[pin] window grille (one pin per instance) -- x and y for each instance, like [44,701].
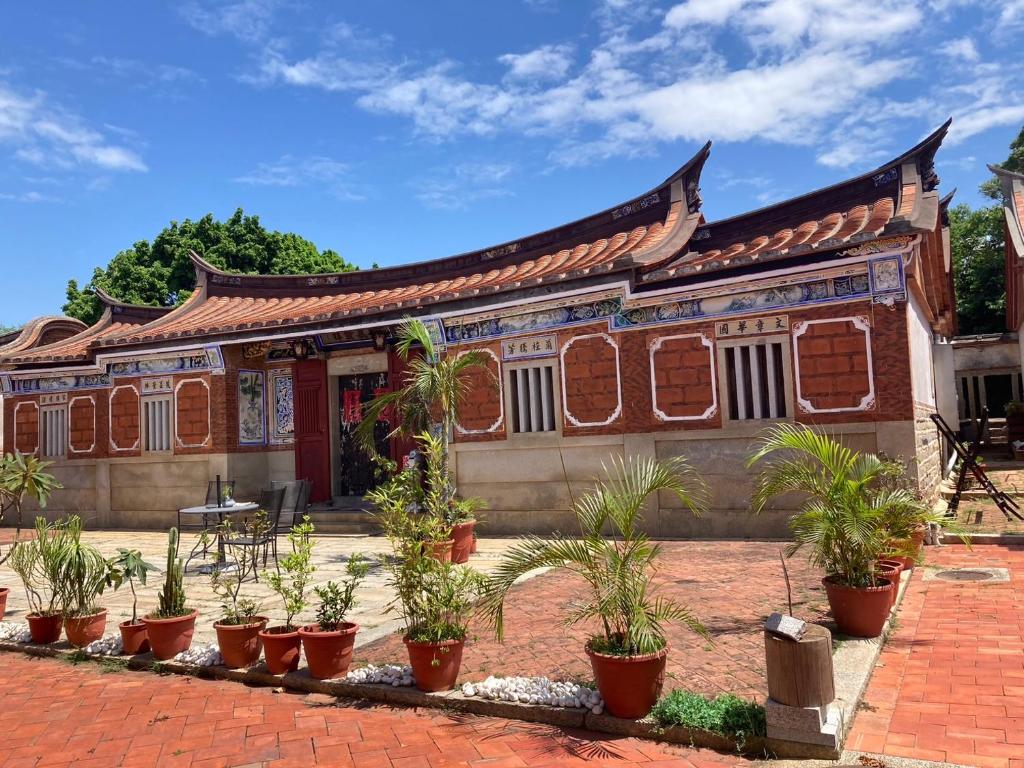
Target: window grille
[533,398]
[157,424]
[54,438]
[756,380]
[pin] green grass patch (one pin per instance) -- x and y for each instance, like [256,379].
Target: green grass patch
[726,715]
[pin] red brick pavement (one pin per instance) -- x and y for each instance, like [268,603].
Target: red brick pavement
[949,686]
[730,585]
[56,715]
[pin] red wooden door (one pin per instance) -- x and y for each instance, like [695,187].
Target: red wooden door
[312,427]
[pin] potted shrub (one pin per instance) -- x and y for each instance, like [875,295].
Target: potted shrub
[328,644]
[239,626]
[21,475]
[37,562]
[84,573]
[616,559]
[129,566]
[281,644]
[849,504]
[171,625]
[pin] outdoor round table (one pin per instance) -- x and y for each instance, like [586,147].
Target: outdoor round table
[221,512]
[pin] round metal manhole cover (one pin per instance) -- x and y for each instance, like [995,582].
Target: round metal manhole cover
[964,575]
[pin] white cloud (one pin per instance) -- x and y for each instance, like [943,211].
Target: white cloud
[31,196]
[976,120]
[715,12]
[549,62]
[248,20]
[961,48]
[288,171]
[45,135]
[457,188]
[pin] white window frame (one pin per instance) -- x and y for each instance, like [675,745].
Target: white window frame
[150,422]
[726,349]
[514,370]
[53,446]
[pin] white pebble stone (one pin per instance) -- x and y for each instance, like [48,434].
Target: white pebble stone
[14,632]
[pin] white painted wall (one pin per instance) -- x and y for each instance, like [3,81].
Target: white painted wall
[945,382]
[922,364]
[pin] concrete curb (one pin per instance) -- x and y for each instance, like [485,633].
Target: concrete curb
[999,539]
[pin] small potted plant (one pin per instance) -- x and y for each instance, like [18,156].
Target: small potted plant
[37,562]
[464,520]
[281,644]
[171,625]
[328,644]
[84,573]
[129,566]
[616,560]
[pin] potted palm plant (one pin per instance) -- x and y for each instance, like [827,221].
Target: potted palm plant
[844,519]
[171,625]
[21,475]
[281,644]
[328,644]
[84,573]
[616,559]
[38,563]
[129,567]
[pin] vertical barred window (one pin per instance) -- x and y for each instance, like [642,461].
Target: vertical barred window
[533,398]
[756,380]
[54,437]
[157,423]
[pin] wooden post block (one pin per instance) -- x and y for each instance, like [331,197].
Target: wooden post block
[800,671]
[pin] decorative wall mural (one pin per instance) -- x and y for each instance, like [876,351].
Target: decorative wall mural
[252,419]
[209,358]
[282,429]
[533,321]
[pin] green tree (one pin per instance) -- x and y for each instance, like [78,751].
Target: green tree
[1015,163]
[979,275]
[159,273]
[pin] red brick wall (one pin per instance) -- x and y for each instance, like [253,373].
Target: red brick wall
[684,371]
[590,379]
[83,420]
[192,414]
[833,358]
[482,406]
[26,425]
[125,418]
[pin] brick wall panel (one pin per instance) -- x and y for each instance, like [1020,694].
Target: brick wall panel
[833,366]
[683,378]
[482,408]
[591,384]
[26,425]
[192,408]
[83,420]
[125,418]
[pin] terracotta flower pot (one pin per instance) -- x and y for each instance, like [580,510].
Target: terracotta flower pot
[82,630]
[629,685]
[439,676]
[859,611]
[134,639]
[917,539]
[169,637]
[462,541]
[472,546]
[440,550]
[46,628]
[240,644]
[328,654]
[281,648]
[891,570]
[3,601]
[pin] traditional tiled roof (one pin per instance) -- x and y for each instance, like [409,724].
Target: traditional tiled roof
[117,318]
[647,230]
[887,199]
[43,330]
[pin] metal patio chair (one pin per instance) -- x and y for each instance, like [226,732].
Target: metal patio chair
[259,538]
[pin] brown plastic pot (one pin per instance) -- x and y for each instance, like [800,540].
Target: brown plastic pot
[462,541]
[240,644]
[441,550]
[859,611]
[134,639]
[435,665]
[629,685]
[169,637]
[3,601]
[891,570]
[281,647]
[328,654]
[45,628]
[82,630]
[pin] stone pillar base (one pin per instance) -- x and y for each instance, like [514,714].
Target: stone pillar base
[808,725]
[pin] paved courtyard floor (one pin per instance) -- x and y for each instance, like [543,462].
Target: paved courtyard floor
[949,685]
[56,715]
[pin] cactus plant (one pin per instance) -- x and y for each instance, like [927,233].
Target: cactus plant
[172,596]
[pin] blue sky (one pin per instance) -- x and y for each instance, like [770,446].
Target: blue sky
[402,131]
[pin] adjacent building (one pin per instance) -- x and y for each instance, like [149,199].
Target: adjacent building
[640,330]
